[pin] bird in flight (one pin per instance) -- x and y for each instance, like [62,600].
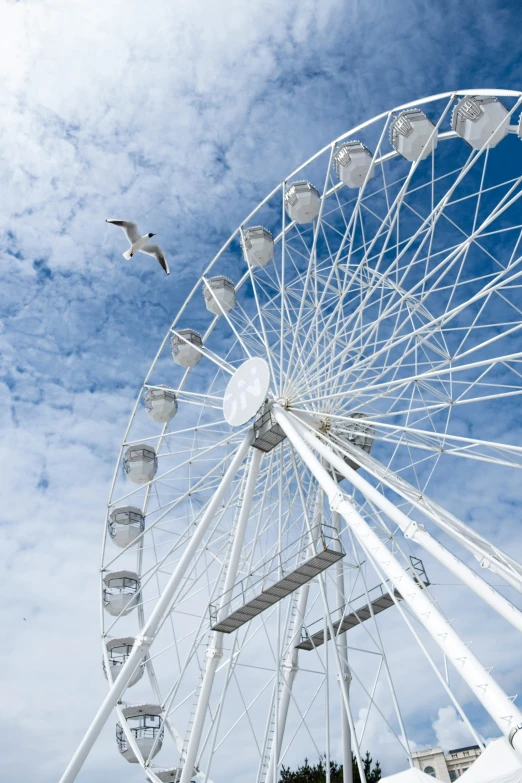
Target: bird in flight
[140,243]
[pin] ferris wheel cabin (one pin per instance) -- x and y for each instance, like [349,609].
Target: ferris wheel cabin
[118,651]
[258,246]
[161,404]
[125,525]
[353,164]
[146,726]
[219,294]
[480,120]
[140,463]
[185,346]
[121,592]
[302,202]
[413,135]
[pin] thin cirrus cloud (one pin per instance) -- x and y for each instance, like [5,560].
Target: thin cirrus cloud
[181,117]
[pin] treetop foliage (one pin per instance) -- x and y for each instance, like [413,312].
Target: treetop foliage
[317,772]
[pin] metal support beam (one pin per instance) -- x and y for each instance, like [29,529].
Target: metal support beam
[342,645]
[146,638]
[291,663]
[215,649]
[489,556]
[502,710]
[418,533]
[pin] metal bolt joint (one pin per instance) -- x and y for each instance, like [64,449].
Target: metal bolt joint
[336,501]
[144,642]
[412,528]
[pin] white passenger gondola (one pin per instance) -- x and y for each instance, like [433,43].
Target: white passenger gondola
[480,120]
[125,525]
[184,347]
[302,202]
[258,246]
[172,775]
[146,726]
[358,433]
[353,164]
[118,650]
[161,404]
[219,294]
[121,592]
[140,463]
[413,135]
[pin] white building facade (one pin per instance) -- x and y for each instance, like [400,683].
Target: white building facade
[446,767]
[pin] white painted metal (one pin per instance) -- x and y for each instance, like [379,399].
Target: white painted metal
[413,135]
[418,533]
[185,347]
[118,651]
[146,638]
[302,201]
[505,714]
[489,556]
[258,245]
[215,650]
[354,164]
[342,644]
[219,295]
[246,391]
[290,665]
[144,721]
[161,404]
[481,120]
[140,463]
[121,592]
[126,524]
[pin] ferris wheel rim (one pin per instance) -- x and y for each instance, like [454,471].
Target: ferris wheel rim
[239,230]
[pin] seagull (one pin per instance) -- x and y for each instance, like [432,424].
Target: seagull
[140,243]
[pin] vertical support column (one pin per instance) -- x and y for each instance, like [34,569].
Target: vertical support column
[215,650]
[146,638]
[342,646]
[502,710]
[291,663]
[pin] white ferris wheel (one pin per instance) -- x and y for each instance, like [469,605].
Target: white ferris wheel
[280,497]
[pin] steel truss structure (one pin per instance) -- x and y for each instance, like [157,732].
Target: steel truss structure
[386,300]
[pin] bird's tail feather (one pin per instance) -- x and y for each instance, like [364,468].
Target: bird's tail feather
[127,254]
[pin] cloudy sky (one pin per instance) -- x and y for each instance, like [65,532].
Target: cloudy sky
[181,116]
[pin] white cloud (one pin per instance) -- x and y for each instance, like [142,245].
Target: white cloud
[450,729]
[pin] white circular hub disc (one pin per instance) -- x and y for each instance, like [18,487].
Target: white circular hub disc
[246,391]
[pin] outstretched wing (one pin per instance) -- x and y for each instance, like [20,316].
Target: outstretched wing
[155,250]
[131,229]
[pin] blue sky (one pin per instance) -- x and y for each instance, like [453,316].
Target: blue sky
[181,117]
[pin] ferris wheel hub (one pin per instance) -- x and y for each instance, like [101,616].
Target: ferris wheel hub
[246,391]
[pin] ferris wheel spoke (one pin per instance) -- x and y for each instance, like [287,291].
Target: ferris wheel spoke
[311,264]
[432,440]
[443,320]
[448,522]
[433,374]
[347,324]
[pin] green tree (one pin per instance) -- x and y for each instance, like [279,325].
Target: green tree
[317,772]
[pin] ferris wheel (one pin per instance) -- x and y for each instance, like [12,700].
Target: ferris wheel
[281,498]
